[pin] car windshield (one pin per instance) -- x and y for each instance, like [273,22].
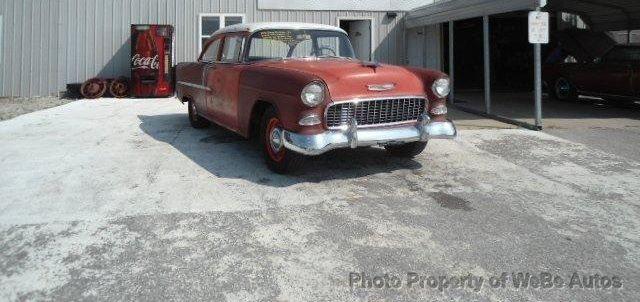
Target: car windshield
[292,44]
[624,54]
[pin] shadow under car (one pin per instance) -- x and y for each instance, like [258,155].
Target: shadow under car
[228,155]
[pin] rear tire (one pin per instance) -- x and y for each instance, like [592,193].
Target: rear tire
[409,150]
[564,90]
[195,119]
[278,158]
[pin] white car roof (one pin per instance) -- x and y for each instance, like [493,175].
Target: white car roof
[253,27]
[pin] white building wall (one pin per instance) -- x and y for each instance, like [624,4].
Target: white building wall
[28,65]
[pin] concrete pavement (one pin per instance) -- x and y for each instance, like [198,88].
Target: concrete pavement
[122,200]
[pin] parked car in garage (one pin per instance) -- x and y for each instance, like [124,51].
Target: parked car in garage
[598,67]
[300,90]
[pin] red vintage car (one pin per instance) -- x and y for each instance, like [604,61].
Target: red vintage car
[592,64]
[300,90]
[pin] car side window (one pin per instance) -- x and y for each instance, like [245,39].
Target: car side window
[211,52]
[231,49]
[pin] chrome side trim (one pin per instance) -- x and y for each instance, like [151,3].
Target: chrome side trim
[605,95]
[194,85]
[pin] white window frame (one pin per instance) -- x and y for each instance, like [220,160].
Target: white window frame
[222,24]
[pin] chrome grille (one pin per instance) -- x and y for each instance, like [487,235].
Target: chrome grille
[375,112]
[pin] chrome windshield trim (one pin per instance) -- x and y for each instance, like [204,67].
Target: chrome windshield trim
[194,85]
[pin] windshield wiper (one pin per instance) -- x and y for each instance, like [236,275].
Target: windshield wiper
[332,56]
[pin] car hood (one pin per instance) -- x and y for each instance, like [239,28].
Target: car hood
[348,79]
[585,45]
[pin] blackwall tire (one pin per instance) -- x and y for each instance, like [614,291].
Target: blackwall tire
[195,119]
[277,157]
[409,150]
[564,90]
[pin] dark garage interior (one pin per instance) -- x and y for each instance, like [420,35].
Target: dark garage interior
[511,53]
[512,71]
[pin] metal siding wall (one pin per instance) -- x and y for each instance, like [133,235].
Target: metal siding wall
[3,48]
[95,40]
[49,43]
[29,48]
[433,47]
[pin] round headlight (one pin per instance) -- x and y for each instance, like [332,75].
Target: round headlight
[441,87]
[313,94]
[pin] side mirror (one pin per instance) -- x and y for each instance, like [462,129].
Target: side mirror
[597,60]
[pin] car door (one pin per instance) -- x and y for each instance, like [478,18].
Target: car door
[583,75]
[615,79]
[209,59]
[615,74]
[224,81]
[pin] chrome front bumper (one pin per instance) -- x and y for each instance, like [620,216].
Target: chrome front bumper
[352,137]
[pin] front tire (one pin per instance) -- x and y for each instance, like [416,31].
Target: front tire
[409,150]
[195,119]
[277,157]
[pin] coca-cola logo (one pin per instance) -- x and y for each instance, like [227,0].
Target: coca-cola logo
[140,62]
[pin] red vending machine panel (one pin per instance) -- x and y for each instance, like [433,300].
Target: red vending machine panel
[151,60]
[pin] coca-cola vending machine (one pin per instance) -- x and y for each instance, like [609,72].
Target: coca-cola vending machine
[151,60]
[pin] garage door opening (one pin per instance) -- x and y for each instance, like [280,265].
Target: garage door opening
[511,69]
[498,74]
[511,76]
[361,35]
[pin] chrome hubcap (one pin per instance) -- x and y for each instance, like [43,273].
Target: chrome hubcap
[276,139]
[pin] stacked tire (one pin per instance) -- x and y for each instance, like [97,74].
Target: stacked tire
[95,88]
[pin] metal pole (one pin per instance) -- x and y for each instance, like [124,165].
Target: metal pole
[537,57]
[452,98]
[487,65]
[538,83]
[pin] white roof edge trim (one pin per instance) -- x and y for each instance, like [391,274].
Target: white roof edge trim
[254,27]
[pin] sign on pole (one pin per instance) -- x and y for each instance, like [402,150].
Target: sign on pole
[538,27]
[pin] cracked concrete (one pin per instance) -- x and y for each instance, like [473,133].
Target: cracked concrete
[121,200]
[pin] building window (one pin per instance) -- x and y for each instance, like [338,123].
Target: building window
[209,23]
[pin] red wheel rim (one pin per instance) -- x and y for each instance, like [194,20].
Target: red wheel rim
[275,153]
[119,88]
[93,88]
